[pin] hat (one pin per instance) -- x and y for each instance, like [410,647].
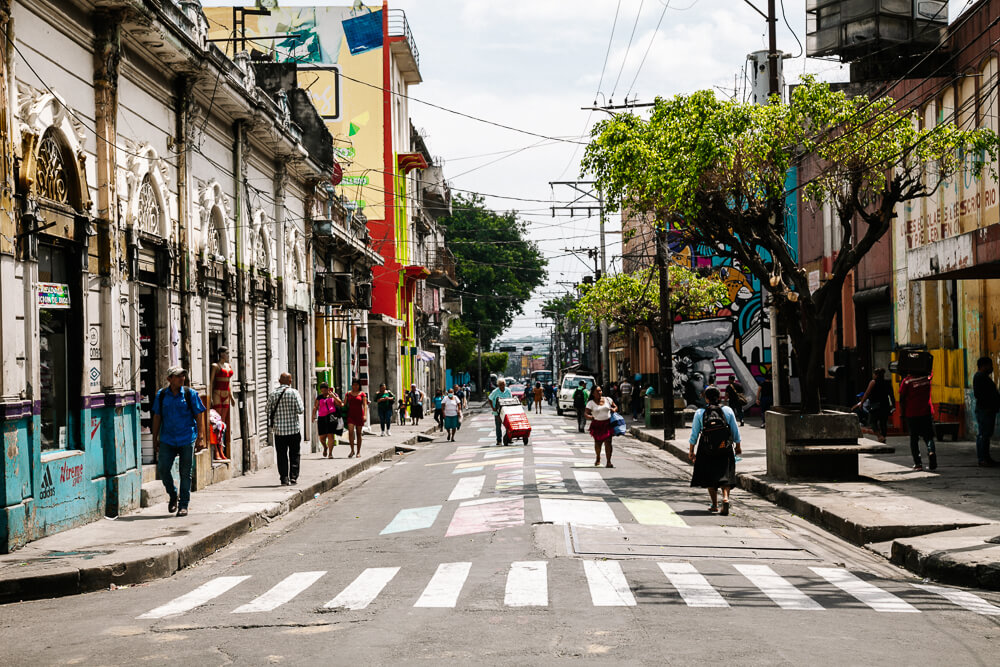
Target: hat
[176,370]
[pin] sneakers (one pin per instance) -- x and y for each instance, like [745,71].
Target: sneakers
[182,512]
[918,466]
[284,482]
[172,504]
[932,461]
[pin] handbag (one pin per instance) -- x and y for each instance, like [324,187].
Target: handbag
[618,424]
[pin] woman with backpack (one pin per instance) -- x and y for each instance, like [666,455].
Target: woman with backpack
[714,431]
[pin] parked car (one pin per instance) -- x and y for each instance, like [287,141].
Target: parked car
[567,386]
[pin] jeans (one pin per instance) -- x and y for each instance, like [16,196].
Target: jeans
[165,464]
[626,403]
[581,419]
[499,422]
[985,423]
[385,418]
[878,419]
[920,427]
[737,408]
[287,449]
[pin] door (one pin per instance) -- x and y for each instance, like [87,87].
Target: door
[261,351]
[147,369]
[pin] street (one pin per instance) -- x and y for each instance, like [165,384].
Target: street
[469,553]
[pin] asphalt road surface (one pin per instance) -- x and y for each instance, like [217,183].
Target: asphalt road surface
[468,553]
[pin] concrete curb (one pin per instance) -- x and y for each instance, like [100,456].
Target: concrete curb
[69,580]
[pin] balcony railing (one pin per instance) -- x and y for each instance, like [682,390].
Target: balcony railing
[400,27]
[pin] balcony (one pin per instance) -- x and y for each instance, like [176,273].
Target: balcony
[403,47]
[442,268]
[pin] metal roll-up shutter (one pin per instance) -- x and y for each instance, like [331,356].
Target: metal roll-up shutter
[880,317]
[216,316]
[260,368]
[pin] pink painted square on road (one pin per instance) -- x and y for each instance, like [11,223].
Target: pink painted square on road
[483,516]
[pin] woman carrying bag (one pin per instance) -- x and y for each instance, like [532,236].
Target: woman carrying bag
[714,431]
[325,415]
[599,409]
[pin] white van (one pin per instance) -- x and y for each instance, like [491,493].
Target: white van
[569,384]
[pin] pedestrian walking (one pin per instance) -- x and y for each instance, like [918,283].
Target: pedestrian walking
[715,433]
[325,415]
[638,400]
[284,406]
[580,398]
[357,417]
[451,408]
[539,395]
[626,390]
[501,391]
[987,405]
[178,428]
[401,409]
[915,406]
[383,403]
[765,397]
[415,401]
[881,402]
[460,395]
[598,410]
[735,397]
[438,414]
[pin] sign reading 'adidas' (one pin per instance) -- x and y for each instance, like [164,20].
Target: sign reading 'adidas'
[48,488]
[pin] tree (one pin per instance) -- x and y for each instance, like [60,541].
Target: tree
[715,170]
[461,346]
[496,265]
[494,362]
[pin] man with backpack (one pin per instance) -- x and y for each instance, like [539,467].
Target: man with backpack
[580,398]
[284,406]
[714,431]
[178,428]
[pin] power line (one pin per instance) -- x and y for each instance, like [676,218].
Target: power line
[652,38]
[627,49]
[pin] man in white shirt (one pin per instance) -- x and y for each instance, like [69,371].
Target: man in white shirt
[501,391]
[626,389]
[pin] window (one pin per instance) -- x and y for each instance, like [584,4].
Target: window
[149,213]
[53,181]
[260,255]
[58,351]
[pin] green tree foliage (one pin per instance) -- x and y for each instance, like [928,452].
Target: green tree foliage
[631,300]
[497,266]
[715,169]
[461,346]
[494,362]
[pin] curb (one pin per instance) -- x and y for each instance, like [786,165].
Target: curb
[68,580]
[943,567]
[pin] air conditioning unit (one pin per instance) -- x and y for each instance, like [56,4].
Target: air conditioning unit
[363,296]
[343,288]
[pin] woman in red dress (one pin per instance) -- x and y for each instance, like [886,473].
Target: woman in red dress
[357,417]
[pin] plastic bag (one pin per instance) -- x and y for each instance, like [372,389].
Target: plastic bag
[618,424]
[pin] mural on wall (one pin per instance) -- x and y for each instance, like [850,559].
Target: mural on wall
[735,339]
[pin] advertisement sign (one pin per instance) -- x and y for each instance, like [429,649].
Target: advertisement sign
[53,295]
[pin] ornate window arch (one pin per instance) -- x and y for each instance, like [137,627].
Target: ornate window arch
[261,247]
[52,177]
[147,185]
[215,212]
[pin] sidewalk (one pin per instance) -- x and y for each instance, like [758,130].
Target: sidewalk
[943,525]
[150,543]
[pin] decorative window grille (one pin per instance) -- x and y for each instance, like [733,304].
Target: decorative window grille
[53,180]
[149,213]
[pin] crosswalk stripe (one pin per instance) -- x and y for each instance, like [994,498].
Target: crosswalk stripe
[784,594]
[468,487]
[577,512]
[693,587]
[282,592]
[608,587]
[652,512]
[195,598]
[963,599]
[527,584]
[871,595]
[413,518]
[363,590]
[445,585]
[591,482]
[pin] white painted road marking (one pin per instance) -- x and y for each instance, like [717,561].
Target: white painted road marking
[445,585]
[527,584]
[591,481]
[363,590]
[784,594]
[693,587]
[963,599]
[653,512]
[871,595]
[195,598]
[608,587]
[413,518]
[468,487]
[577,512]
[283,591]
[486,515]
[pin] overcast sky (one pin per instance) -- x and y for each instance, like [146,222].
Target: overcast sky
[532,65]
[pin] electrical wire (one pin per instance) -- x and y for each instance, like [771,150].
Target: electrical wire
[789,26]
[627,49]
[652,38]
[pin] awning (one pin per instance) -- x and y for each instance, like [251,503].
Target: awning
[409,161]
[873,295]
[424,355]
[384,320]
[415,271]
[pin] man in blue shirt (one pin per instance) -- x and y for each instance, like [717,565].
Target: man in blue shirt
[501,391]
[177,426]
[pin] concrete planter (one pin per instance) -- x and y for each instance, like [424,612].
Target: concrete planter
[822,446]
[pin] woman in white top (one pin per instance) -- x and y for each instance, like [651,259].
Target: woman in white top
[599,410]
[452,408]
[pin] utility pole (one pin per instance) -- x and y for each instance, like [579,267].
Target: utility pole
[479,348]
[666,335]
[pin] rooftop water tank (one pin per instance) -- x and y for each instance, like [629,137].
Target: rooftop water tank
[853,29]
